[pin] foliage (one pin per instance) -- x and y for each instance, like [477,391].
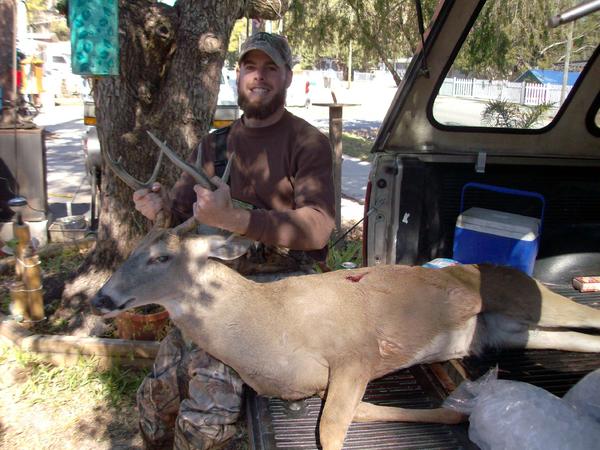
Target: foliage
[5,302]
[510,37]
[345,251]
[62,6]
[505,114]
[66,384]
[38,14]
[356,146]
[66,261]
[380,31]
[61,30]
[238,36]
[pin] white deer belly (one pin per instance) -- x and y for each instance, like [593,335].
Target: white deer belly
[449,344]
[290,377]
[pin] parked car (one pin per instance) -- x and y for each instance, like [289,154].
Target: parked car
[299,92]
[93,158]
[226,112]
[428,149]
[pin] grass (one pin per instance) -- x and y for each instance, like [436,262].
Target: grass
[67,261]
[82,382]
[345,251]
[356,146]
[5,302]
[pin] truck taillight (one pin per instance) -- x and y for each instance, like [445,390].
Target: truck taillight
[365,229]
[307,87]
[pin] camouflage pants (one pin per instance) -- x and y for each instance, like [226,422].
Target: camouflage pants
[191,400]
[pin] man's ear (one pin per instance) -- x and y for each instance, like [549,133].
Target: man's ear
[288,78]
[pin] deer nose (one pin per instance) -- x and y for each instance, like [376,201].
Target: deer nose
[102,303]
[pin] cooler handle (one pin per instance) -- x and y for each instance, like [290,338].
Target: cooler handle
[502,190]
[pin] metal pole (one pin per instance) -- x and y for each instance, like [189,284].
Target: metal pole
[565,79]
[571,14]
[350,65]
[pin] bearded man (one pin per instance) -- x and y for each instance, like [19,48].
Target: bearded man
[281,172]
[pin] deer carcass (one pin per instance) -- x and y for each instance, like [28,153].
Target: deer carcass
[332,333]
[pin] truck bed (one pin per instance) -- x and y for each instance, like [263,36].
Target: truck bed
[271,425]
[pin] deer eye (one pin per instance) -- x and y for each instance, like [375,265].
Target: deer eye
[160,259]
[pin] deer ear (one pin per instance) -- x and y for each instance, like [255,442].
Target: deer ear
[228,248]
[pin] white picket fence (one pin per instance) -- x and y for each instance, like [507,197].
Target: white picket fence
[524,93]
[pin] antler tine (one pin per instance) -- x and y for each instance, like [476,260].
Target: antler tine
[197,174]
[184,227]
[227,170]
[162,220]
[129,180]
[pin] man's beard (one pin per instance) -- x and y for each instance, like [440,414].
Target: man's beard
[260,110]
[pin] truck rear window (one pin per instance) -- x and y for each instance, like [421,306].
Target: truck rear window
[513,71]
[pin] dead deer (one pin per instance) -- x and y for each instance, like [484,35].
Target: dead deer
[330,334]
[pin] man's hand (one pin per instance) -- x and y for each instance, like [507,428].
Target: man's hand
[215,208]
[150,201]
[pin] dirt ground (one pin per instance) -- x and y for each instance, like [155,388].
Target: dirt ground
[58,412]
[73,422]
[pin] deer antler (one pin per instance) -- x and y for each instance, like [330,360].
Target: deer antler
[196,173]
[199,176]
[129,180]
[163,218]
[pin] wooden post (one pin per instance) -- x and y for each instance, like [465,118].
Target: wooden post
[18,298]
[28,297]
[335,138]
[32,278]
[23,235]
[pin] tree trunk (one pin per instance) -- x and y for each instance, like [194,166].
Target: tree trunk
[8,10]
[170,67]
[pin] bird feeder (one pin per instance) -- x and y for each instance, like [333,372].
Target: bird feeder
[94,37]
[26,294]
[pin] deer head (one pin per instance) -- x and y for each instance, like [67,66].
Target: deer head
[167,266]
[166,260]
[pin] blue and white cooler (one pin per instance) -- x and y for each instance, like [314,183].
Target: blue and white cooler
[489,236]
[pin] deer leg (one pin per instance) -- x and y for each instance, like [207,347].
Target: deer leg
[345,390]
[559,311]
[367,412]
[570,341]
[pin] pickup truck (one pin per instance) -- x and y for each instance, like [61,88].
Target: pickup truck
[226,112]
[443,130]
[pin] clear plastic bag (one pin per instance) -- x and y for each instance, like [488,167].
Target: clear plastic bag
[515,415]
[585,395]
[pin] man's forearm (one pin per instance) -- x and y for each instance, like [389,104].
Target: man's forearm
[301,229]
[237,221]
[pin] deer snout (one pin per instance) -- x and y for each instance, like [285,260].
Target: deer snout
[102,304]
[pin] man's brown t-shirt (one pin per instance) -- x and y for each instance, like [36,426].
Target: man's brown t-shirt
[285,171]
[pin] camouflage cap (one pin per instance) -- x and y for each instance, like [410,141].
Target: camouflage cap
[274,45]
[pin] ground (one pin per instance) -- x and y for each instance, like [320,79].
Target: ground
[75,418]
[46,407]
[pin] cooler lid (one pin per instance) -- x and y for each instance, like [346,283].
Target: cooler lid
[500,223]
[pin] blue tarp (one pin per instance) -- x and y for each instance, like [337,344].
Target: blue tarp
[545,76]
